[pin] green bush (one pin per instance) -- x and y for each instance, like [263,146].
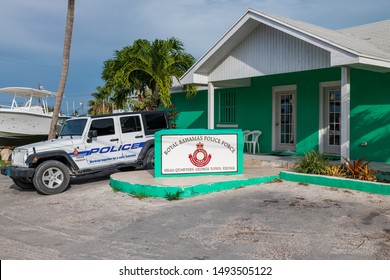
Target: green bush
[312,163]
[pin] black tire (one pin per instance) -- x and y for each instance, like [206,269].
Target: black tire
[127,168]
[149,159]
[51,177]
[24,183]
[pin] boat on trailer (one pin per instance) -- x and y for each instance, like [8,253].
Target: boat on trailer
[27,119]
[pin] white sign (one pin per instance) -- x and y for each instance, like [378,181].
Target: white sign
[207,153]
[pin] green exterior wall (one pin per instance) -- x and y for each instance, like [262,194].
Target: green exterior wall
[193,111]
[370,110]
[370,115]
[255,107]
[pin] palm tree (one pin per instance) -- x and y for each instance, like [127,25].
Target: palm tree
[101,104]
[148,65]
[65,67]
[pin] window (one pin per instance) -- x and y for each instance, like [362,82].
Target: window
[227,107]
[130,124]
[155,121]
[334,117]
[103,126]
[286,118]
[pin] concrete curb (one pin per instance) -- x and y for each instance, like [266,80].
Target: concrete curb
[164,191]
[344,183]
[164,188]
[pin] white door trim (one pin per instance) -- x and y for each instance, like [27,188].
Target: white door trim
[322,128]
[275,91]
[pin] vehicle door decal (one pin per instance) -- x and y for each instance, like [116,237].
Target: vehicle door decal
[107,149]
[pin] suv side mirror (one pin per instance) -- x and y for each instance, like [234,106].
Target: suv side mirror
[91,134]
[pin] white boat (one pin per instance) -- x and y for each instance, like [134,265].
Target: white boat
[27,119]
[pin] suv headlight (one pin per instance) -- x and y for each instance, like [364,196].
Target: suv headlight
[19,157]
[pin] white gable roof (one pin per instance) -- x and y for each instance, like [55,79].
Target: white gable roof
[376,34]
[345,47]
[343,40]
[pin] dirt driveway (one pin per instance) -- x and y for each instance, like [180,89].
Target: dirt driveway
[272,221]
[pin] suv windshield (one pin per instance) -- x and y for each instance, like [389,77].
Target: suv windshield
[73,127]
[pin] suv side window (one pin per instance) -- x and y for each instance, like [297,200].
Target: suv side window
[130,124]
[155,121]
[103,126]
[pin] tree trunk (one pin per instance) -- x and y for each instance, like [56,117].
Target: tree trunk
[65,68]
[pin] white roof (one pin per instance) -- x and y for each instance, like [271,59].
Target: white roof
[364,45]
[376,34]
[24,91]
[351,39]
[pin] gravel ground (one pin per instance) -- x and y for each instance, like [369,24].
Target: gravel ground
[280,220]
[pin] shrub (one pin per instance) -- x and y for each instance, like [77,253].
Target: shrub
[336,171]
[359,169]
[315,163]
[312,163]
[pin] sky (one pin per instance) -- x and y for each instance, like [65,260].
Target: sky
[32,33]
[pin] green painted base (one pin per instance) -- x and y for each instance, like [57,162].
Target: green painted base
[185,191]
[364,186]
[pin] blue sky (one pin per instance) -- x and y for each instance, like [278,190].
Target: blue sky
[32,32]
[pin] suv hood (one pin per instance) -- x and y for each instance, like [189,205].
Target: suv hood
[53,144]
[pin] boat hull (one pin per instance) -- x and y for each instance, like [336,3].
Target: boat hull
[10,140]
[20,128]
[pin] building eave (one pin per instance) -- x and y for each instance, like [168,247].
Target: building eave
[250,20]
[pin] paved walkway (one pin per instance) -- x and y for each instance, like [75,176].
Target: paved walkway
[281,161]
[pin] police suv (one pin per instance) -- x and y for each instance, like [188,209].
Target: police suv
[87,145]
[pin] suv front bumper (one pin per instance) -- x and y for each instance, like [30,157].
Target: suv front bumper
[17,172]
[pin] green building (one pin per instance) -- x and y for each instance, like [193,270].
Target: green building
[305,87]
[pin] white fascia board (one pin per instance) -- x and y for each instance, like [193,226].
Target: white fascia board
[186,79]
[300,33]
[243,19]
[339,58]
[200,79]
[375,62]
[191,78]
[340,55]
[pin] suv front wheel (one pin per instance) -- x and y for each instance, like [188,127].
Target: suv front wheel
[23,183]
[149,159]
[51,177]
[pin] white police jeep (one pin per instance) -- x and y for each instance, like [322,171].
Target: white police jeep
[87,145]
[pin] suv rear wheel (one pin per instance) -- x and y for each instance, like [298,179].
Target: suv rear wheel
[51,177]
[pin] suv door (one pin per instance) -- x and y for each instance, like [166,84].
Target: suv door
[105,149]
[132,136]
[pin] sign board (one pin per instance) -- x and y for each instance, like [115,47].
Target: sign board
[195,152]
